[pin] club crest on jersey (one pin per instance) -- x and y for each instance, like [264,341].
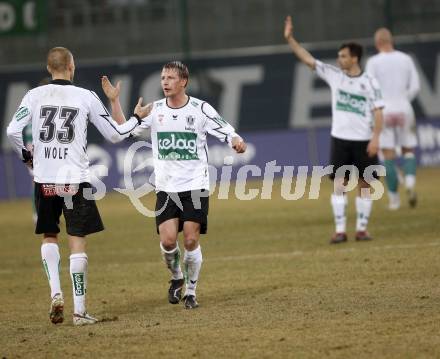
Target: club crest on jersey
[190,120]
[160,117]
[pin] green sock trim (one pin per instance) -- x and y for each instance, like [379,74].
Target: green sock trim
[409,165]
[176,261]
[391,177]
[46,269]
[185,273]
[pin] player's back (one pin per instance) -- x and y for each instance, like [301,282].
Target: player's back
[59,128]
[393,71]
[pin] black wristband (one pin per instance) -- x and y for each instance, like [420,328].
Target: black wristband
[27,155]
[137,118]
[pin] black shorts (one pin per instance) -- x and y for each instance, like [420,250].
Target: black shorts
[351,153]
[194,206]
[82,216]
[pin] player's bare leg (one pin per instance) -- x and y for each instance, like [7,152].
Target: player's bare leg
[192,260]
[391,178]
[339,204]
[50,255]
[170,250]
[78,274]
[409,169]
[363,211]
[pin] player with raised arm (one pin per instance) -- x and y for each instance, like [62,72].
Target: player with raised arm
[59,113]
[179,126]
[356,125]
[397,75]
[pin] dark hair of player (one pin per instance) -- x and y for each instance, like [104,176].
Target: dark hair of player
[354,48]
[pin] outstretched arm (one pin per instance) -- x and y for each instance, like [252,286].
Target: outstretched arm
[216,126]
[108,127]
[112,93]
[301,53]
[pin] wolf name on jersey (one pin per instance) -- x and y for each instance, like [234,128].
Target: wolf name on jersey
[353,99]
[180,150]
[59,114]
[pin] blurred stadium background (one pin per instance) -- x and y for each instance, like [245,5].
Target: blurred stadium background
[237,58]
[271,287]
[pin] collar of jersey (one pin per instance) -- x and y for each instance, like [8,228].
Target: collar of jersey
[353,77]
[176,108]
[61,82]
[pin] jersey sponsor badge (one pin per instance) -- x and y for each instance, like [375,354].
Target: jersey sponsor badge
[348,102]
[52,190]
[177,146]
[21,112]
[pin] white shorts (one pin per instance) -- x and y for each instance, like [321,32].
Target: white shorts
[399,129]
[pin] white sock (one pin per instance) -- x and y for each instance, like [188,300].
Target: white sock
[78,273]
[394,200]
[338,204]
[50,255]
[363,210]
[410,182]
[172,260]
[193,262]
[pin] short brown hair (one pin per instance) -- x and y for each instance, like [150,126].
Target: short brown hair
[59,58]
[180,67]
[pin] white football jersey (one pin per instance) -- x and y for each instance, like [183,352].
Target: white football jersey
[180,150]
[59,113]
[398,79]
[353,100]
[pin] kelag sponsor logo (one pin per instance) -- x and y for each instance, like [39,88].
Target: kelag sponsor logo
[351,103]
[78,283]
[177,146]
[21,112]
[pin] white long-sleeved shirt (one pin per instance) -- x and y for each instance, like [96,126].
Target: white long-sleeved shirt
[180,150]
[398,78]
[59,113]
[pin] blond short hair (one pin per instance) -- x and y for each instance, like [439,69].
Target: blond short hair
[59,59]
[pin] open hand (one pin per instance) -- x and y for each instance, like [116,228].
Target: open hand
[373,147]
[288,27]
[142,111]
[110,91]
